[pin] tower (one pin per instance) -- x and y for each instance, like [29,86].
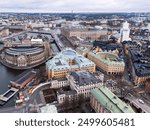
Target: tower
[125,32]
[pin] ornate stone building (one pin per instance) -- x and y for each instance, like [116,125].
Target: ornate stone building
[26,50]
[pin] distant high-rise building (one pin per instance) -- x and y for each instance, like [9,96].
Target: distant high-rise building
[125,32]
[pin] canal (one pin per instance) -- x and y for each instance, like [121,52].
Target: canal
[6,75]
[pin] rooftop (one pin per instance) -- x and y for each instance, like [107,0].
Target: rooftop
[83,29]
[25,49]
[31,36]
[107,57]
[110,101]
[107,46]
[61,60]
[141,61]
[84,77]
[67,93]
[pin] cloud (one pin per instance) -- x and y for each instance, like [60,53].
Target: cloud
[76,5]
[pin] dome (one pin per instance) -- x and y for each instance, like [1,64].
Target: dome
[69,52]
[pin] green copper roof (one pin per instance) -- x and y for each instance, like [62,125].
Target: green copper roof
[106,60]
[110,101]
[60,61]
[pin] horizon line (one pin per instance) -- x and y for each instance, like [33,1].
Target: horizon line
[72,12]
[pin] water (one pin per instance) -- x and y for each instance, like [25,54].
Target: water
[6,75]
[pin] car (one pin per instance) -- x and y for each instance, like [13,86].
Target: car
[141,101]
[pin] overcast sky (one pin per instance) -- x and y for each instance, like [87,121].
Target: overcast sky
[75,5]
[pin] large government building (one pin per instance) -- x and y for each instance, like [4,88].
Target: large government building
[68,60]
[84,81]
[103,100]
[84,33]
[81,83]
[25,51]
[108,61]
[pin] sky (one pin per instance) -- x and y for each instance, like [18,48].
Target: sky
[74,5]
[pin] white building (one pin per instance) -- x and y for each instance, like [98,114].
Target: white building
[59,83]
[83,81]
[125,32]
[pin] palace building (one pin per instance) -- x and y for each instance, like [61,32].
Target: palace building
[84,33]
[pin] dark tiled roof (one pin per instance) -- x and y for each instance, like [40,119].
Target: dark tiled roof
[84,78]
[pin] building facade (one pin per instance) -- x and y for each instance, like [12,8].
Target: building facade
[83,82]
[65,61]
[59,83]
[23,53]
[24,57]
[84,33]
[109,62]
[140,65]
[66,96]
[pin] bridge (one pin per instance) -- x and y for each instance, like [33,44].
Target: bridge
[40,85]
[145,107]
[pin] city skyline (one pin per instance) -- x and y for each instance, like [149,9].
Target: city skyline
[49,6]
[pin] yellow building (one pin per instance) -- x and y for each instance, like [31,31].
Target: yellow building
[68,60]
[109,62]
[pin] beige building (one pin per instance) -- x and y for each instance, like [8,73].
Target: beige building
[20,52]
[109,62]
[76,41]
[140,79]
[25,57]
[84,33]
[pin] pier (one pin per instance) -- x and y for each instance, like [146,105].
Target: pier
[23,79]
[8,95]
